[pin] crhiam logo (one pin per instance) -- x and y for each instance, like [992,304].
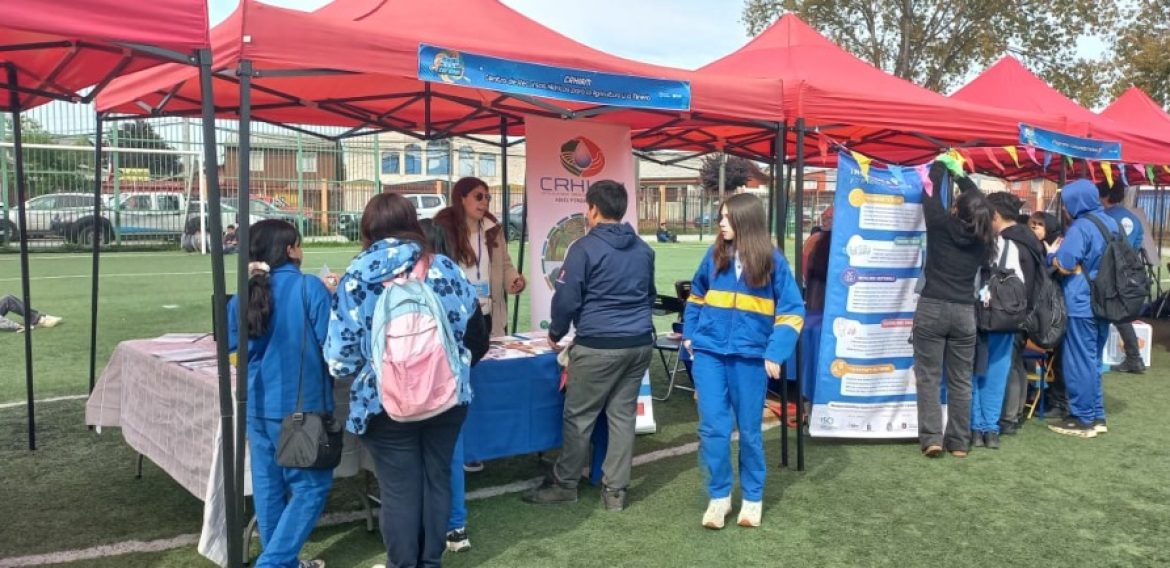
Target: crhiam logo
[448,65]
[582,157]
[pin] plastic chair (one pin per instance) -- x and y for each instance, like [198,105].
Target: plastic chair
[665,305]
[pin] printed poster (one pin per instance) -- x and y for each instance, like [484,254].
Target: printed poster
[865,380]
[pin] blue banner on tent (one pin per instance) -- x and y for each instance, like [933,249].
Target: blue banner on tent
[865,381]
[1074,146]
[518,77]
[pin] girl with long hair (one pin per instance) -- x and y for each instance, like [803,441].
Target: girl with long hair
[959,243]
[287,317]
[478,242]
[742,320]
[412,459]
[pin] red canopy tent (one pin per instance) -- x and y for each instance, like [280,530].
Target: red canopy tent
[1135,109]
[1008,84]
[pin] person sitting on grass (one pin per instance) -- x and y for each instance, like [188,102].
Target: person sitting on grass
[12,304]
[231,240]
[665,236]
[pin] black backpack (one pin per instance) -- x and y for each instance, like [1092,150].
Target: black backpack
[1122,286]
[1007,304]
[1046,323]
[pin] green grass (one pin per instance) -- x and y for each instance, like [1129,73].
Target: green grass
[1041,500]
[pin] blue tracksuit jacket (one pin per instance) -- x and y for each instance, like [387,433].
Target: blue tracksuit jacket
[725,316]
[1080,253]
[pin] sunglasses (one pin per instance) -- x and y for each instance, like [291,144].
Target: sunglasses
[483,197]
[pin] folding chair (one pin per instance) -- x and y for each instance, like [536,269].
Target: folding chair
[1046,375]
[665,305]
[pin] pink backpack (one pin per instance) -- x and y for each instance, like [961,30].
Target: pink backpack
[415,356]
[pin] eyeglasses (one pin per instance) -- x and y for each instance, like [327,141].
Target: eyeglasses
[483,197]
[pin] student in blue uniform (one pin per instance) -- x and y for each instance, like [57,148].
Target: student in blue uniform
[1112,197]
[288,316]
[1077,259]
[743,319]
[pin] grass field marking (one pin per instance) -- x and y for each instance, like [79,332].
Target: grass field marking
[22,403]
[128,275]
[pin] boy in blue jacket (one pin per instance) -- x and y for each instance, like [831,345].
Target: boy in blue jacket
[1111,197]
[1078,259]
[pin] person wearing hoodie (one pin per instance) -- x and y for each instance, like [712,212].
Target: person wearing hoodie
[1048,229]
[1077,259]
[999,391]
[1112,197]
[958,243]
[412,459]
[605,290]
[742,322]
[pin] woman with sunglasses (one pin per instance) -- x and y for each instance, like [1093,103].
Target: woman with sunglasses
[477,239]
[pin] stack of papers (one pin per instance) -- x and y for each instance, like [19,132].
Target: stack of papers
[185,355]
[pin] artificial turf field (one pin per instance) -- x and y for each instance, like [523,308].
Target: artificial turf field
[1042,500]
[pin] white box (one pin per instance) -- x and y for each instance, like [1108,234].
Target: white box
[1114,352]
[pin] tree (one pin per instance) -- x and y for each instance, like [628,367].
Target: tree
[140,134]
[737,173]
[47,170]
[938,43]
[1143,51]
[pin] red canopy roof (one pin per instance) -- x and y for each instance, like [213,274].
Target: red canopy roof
[60,47]
[858,104]
[1134,108]
[380,56]
[1008,84]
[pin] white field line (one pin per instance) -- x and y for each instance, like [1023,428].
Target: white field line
[186,540]
[21,403]
[128,275]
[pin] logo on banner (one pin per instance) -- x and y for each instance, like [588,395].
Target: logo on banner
[582,157]
[448,65]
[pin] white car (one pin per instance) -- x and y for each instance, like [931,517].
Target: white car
[427,204]
[49,215]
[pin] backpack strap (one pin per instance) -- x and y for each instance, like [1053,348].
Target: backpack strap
[1101,227]
[1002,265]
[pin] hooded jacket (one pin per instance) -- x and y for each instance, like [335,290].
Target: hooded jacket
[1080,253]
[954,254]
[348,350]
[606,289]
[1031,253]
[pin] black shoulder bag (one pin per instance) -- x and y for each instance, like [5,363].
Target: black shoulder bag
[309,440]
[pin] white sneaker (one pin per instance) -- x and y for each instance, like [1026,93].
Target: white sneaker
[717,511]
[749,513]
[48,321]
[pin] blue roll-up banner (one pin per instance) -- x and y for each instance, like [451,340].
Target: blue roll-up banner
[1074,146]
[454,67]
[865,381]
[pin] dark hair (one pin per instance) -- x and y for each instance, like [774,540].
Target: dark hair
[1052,229]
[1111,193]
[436,237]
[748,219]
[973,213]
[1006,205]
[458,242]
[609,197]
[269,242]
[389,215]
[231,226]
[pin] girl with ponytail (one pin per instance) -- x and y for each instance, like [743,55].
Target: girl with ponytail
[287,320]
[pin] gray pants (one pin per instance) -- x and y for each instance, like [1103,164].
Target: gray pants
[601,379]
[1016,396]
[12,304]
[1129,339]
[944,340]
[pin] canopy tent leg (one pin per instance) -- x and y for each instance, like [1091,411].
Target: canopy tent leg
[1062,179]
[22,220]
[523,216]
[219,317]
[780,153]
[97,240]
[243,254]
[798,252]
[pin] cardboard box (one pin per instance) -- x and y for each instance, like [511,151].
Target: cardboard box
[1114,351]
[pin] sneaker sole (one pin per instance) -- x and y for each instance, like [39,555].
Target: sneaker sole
[1074,433]
[458,547]
[745,523]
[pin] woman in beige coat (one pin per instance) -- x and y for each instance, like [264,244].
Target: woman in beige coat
[477,240]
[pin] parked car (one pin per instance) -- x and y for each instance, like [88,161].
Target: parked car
[48,215]
[426,204]
[150,214]
[261,208]
[515,222]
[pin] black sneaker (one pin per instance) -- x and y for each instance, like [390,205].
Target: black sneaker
[991,440]
[613,499]
[1100,427]
[977,439]
[1009,428]
[1133,365]
[1073,427]
[551,492]
[457,540]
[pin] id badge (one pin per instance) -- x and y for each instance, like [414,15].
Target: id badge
[483,289]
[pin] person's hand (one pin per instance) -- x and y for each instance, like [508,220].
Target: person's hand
[554,345]
[517,285]
[1054,245]
[331,281]
[953,164]
[690,349]
[772,368]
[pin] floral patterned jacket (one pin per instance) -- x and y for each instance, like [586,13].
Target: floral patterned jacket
[347,346]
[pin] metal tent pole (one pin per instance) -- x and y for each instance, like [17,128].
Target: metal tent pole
[781,156]
[523,219]
[243,254]
[233,527]
[798,252]
[96,227]
[22,224]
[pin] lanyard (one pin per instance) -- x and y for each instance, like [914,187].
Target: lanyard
[479,251]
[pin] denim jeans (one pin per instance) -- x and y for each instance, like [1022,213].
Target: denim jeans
[944,340]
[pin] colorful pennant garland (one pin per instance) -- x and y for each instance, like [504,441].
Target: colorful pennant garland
[1032,154]
[1011,150]
[991,157]
[896,171]
[924,174]
[1108,171]
[1124,178]
[1150,173]
[863,162]
[1092,171]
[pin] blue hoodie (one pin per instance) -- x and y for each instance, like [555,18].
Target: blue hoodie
[1080,253]
[347,346]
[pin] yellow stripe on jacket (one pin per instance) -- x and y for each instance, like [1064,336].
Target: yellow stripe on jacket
[742,302]
[795,322]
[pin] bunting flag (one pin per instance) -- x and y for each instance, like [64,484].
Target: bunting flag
[991,157]
[863,162]
[1166,169]
[823,147]
[1092,171]
[1150,173]
[1011,150]
[1108,171]
[1124,178]
[896,171]
[1069,162]
[967,162]
[1032,154]
[924,174]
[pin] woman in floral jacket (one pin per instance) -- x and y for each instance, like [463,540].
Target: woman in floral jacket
[412,459]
